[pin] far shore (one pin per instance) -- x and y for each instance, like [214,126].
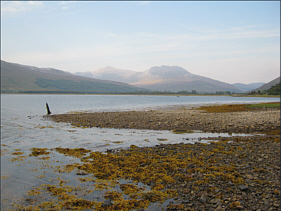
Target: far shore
[148,94]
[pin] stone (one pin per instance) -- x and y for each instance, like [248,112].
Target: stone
[186,201]
[214,201]
[219,208]
[107,203]
[203,198]
[243,187]
[276,205]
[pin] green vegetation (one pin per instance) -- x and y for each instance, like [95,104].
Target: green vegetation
[180,93]
[82,86]
[274,90]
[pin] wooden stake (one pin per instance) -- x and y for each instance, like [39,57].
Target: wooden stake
[48,109]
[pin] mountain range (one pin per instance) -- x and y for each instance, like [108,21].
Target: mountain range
[18,78]
[167,78]
[29,79]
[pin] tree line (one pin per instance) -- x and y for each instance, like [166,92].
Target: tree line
[274,90]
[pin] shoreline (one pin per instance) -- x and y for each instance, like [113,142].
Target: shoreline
[229,173]
[248,120]
[175,95]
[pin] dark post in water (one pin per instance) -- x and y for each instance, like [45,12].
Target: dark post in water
[48,109]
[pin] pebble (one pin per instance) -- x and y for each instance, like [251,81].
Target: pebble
[243,187]
[203,198]
[276,205]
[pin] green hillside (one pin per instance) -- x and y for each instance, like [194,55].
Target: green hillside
[16,78]
[274,90]
[271,88]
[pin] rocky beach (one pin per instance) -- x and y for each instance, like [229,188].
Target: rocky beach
[222,119]
[233,173]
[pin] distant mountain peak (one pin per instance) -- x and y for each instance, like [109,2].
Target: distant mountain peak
[165,72]
[110,69]
[168,70]
[163,78]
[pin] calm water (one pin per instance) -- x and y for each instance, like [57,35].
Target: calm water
[22,124]
[23,127]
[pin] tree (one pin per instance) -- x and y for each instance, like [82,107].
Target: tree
[274,90]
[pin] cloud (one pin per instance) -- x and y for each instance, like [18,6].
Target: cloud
[65,7]
[153,45]
[144,2]
[65,4]
[225,43]
[233,70]
[254,34]
[8,7]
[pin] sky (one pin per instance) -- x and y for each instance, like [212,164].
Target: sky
[230,41]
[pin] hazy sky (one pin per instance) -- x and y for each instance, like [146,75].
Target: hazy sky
[228,41]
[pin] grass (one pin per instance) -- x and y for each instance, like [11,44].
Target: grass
[265,105]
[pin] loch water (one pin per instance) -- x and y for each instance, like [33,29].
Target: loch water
[23,127]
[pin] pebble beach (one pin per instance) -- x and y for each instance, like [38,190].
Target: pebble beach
[227,119]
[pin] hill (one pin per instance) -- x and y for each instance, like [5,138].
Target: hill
[17,78]
[274,90]
[267,86]
[164,78]
[247,87]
